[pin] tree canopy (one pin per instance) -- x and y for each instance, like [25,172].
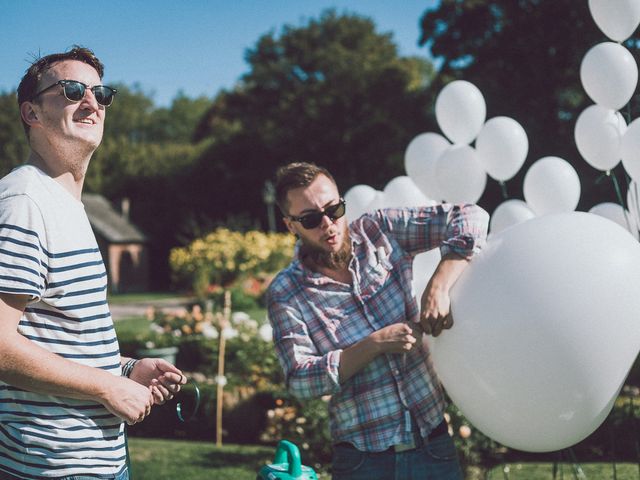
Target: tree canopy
[333,91]
[13,143]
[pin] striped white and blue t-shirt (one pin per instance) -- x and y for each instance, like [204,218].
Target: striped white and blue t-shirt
[48,251]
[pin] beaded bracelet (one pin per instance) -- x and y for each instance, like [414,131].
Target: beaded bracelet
[127,368]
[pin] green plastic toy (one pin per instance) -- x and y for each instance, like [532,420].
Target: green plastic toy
[287,465]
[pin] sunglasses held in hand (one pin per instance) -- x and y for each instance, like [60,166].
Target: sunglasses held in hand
[74,91]
[313,219]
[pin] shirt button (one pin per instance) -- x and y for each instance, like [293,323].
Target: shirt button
[396,371]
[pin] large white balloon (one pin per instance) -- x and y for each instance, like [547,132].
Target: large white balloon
[424,264]
[545,332]
[630,150]
[617,214]
[502,147]
[460,176]
[402,192]
[598,136]
[358,199]
[420,159]
[617,19]
[609,75]
[377,203]
[509,213]
[460,111]
[633,201]
[551,185]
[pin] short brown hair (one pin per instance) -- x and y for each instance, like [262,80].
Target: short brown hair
[30,82]
[296,175]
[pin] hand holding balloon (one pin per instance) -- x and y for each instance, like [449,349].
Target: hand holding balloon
[435,314]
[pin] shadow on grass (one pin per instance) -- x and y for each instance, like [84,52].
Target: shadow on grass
[229,458]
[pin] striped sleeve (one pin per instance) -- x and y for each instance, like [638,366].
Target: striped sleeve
[23,259]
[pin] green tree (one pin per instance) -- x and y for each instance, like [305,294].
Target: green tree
[13,142]
[177,123]
[144,157]
[525,57]
[333,91]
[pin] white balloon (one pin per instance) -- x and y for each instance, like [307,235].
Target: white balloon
[509,213]
[598,135]
[630,150]
[545,330]
[615,213]
[460,111]
[609,75]
[424,264]
[551,185]
[460,176]
[633,201]
[377,202]
[617,19]
[402,192]
[358,198]
[502,147]
[420,159]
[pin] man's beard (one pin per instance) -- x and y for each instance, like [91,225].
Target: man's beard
[331,260]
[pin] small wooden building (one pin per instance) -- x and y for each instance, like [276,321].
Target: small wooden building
[123,246]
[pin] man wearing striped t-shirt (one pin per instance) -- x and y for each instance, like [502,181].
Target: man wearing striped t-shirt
[63,399]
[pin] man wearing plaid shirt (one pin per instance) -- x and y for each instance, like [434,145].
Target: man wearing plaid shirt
[346,323]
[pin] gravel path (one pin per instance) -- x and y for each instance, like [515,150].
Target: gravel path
[139,309]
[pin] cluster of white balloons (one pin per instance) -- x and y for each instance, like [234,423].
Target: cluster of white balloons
[528,362]
[609,76]
[452,170]
[448,167]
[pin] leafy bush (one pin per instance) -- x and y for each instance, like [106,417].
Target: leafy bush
[223,257]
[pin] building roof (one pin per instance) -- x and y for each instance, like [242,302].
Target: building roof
[108,223]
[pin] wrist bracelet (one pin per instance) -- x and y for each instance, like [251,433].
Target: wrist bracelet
[127,368]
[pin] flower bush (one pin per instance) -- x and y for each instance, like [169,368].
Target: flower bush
[223,257]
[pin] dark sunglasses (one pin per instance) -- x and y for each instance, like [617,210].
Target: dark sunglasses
[313,219]
[74,91]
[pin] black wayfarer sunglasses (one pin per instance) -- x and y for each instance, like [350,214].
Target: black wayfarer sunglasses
[313,219]
[74,91]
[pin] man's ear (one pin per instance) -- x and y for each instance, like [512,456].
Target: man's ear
[289,225]
[28,113]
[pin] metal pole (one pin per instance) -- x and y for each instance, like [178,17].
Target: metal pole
[269,197]
[226,315]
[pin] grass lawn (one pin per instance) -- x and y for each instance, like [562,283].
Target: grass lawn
[130,327]
[544,471]
[154,459]
[124,298]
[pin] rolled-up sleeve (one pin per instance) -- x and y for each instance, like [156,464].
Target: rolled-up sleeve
[308,374]
[459,229]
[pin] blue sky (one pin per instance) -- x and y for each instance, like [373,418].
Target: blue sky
[166,46]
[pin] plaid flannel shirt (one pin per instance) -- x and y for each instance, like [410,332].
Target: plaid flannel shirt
[314,318]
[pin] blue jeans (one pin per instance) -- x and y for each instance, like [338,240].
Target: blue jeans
[123,476]
[436,460]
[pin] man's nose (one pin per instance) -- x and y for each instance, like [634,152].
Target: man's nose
[90,98]
[326,222]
